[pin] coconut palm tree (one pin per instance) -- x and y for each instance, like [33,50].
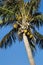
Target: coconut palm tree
[24,17]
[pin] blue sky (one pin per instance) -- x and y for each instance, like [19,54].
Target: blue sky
[16,54]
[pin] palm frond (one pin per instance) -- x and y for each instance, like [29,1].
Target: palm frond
[41,44]
[20,37]
[39,39]
[7,12]
[37,20]
[7,16]
[7,40]
[34,5]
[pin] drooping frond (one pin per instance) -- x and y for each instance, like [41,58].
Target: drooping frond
[7,18]
[36,39]
[37,20]
[39,39]
[12,11]
[34,5]
[9,11]
[7,40]
[6,14]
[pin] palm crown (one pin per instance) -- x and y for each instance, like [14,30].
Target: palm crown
[24,17]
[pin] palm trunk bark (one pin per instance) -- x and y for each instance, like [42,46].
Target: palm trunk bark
[28,49]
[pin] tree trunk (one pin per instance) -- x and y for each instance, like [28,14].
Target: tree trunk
[28,49]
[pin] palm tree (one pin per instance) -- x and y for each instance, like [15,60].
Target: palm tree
[24,18]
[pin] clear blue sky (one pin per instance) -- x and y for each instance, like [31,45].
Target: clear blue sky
[16,54]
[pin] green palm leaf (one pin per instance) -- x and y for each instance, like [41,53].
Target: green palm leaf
[7,40]
[34,5]
[37,19]
[8,13]
[39,39]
